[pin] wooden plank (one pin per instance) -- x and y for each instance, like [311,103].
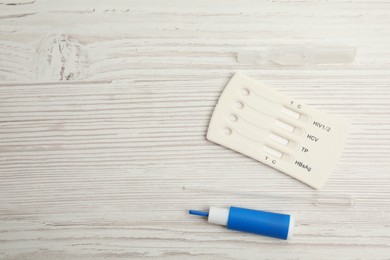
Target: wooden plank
[104,109]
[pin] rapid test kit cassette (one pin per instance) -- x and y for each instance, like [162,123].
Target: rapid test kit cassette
[283,133]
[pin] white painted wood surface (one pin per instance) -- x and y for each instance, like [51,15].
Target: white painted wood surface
[104,107]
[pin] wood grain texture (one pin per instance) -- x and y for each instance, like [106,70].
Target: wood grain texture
[104,108]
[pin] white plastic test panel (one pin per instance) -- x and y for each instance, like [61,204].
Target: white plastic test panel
[281,132]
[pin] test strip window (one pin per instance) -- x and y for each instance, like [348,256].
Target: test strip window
[278,131]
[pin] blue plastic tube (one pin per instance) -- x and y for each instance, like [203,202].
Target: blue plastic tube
[252,221]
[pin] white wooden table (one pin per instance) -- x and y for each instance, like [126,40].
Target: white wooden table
[104,107]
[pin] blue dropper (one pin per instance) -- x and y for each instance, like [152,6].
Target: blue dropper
[248,220]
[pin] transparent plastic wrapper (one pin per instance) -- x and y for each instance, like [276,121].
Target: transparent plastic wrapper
[299,56]
[318,199]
